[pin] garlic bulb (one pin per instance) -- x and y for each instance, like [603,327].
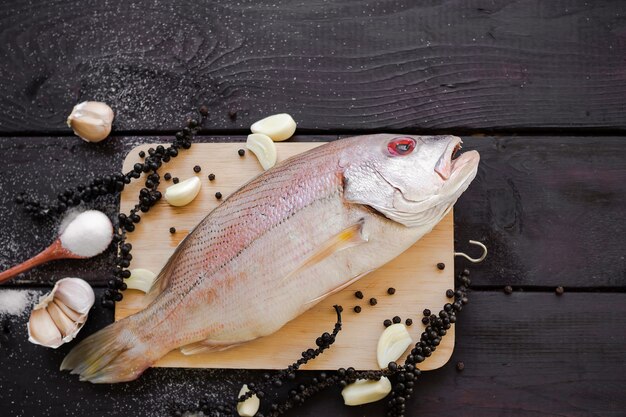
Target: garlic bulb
[59,315]
[264,149]
[249,407]
[140,279]
[363,391]
[278,127]
[91,120]
[183,193]
[392,344]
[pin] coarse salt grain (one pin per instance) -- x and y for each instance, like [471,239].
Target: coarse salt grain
[15,302]
[86,234]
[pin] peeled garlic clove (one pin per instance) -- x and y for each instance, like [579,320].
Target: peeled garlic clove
[278,127]
[363,391]
[42,330]
[249,407]
[65,325]
[392,344]
[75,293]
[264,149]
[91,120]
[183,193]
[140,279]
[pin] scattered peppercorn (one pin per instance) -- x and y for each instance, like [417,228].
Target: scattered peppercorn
[167,176]
[450,293]
[358,295]
[460,366]
[373,301]
[241,152]
[197,169]
[408,322]
[508,290]
[172,230]
[204,110]
[218,195]
[211,177]
[387,323]
[465,272]
[391,291]
[232,114]
[441,266]
[175,180]
[142,154]
[426,312]
[357,309]
[396,319]
[559,290]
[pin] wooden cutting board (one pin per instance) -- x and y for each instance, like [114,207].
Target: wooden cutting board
[414,275]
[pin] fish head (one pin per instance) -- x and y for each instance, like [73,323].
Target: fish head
[413,180]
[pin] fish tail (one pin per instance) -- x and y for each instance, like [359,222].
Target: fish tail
[114,354]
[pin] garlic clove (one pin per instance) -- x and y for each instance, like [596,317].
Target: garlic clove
[249,407]
[363,391]
[73,315]
[75,293]
[278,127]
[91,120]
[42,329]
[264,149]
[140,279]
[392,344]
[183,193]
[65,325]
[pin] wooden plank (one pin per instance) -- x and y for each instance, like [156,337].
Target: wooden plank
[414,275]
[525,354]
[543,205]
[503,64]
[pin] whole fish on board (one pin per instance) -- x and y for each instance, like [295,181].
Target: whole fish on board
[295,234]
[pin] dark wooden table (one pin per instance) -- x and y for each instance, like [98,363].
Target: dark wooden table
[538,87]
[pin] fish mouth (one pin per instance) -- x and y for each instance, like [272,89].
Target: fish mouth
[452,161]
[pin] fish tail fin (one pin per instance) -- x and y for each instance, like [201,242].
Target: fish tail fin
[114,354]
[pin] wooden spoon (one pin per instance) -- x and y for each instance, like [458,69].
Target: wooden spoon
[53,252]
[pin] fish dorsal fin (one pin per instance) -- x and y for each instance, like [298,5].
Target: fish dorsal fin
[347,238]
[162,280]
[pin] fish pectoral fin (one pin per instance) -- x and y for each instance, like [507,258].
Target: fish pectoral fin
[347,238]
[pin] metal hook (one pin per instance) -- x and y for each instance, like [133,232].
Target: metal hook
[483,256]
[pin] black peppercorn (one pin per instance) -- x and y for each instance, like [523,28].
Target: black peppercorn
[559,290]
[357,309]
[218,195]
[460,366]
[425,320]
[373,301]
[409,322]
[197,169]
[232,114]
[172,230]
[142,154]
[508,289]
[203,110]
[175,180]
[167,176]
[387,323]
[450,293]
[358,295]
[441,266]
[211,177]
[396,319]
[241,152]
[391,291]
[427,312]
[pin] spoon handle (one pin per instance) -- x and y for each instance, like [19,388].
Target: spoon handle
[52,252]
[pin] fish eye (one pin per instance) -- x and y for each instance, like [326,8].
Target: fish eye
[401,146]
